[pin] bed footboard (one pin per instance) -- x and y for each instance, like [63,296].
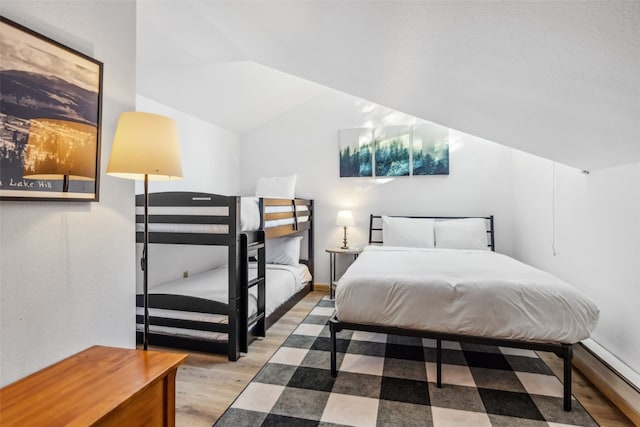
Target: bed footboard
[563,350]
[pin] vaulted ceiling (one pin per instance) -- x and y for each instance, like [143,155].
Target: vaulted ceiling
[559,79]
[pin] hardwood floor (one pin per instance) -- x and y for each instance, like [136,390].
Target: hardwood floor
[600,408]
[207,384]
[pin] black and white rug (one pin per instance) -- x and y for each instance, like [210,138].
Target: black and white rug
[386,380]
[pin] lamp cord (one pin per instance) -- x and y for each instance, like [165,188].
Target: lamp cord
[553,209]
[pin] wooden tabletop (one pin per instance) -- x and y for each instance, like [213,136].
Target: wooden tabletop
[83,388]
[350,250]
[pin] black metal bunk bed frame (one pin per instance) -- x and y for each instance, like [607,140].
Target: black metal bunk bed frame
[563,350]
[240,329]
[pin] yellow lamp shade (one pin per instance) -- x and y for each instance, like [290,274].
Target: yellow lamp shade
[145,144]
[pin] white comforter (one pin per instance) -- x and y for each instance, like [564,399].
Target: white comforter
[469,292]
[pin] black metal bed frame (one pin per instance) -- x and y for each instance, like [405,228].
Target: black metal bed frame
[563,350]
[240,329]
[490,230]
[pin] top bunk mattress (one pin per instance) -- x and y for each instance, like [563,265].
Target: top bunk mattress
[250,217]
[467,292]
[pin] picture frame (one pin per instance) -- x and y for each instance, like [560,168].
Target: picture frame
[50,118]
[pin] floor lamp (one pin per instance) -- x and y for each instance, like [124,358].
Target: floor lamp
[145,147]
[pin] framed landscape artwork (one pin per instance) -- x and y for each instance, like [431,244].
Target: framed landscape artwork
[50,112]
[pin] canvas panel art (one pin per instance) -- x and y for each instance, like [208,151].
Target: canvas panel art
[392,145]
[394,151]
[50,113]
[355,152]
[430,143]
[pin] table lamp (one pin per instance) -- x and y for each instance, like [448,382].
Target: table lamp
[145,147]
[345,219]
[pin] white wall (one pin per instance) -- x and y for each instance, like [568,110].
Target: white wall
[210,164]
[305,141]
[597,241]
[67,269]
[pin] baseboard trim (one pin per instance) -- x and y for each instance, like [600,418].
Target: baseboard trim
[609,382]
[321,287]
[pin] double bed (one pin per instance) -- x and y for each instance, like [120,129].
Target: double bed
[459,290]
[222,310]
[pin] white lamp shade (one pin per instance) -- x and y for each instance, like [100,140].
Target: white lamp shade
[345,219]
[145,144]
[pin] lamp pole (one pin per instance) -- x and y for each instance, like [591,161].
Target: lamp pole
[145,265]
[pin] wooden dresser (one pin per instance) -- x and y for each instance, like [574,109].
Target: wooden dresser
[100,386]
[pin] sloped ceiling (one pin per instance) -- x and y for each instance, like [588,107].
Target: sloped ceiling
[558,79]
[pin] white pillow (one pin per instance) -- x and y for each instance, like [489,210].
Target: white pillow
[249,213]
[467,233]
[279,187]
[283,250]
[409,232]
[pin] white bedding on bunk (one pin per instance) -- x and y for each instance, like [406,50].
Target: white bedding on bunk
[282,281]
[469,292]
[249,217]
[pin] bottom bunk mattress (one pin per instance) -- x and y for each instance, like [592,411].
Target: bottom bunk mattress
[282,282]
[468,292]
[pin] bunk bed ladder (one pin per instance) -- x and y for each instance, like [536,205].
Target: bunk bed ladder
[259,318]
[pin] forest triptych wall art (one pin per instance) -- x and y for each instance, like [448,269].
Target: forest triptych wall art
[394,151]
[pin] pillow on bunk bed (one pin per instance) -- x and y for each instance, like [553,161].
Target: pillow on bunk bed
[249,213]
[279,187]
[408,232]
[466,233]
[283,250]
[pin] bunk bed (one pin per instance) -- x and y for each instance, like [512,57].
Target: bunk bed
[224,309]
[461,291]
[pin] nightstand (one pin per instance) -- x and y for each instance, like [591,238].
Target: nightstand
[332,263]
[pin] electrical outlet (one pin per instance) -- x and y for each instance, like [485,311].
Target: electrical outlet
[185,274]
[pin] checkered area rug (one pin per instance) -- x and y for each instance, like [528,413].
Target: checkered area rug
[386,380]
